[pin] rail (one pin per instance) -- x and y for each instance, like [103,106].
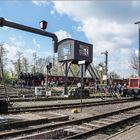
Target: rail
[130,113]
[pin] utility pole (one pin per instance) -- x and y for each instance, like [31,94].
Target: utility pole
[2,72]
[82,64]
[49,66]
[106,64]
[66,78]
[139,48]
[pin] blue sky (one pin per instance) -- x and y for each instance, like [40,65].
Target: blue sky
[108,25]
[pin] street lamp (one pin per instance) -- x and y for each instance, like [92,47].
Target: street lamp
[139,48]
[43,24]
[106,64]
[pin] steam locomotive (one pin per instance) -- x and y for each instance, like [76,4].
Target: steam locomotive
[38,79]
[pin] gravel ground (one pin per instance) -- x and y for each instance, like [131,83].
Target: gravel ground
[130,134]
[86,112]
[96,110]
[40,103]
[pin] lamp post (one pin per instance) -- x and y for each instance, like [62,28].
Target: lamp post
[106,64]
[139,48]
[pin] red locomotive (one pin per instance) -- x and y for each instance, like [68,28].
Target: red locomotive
[134,86]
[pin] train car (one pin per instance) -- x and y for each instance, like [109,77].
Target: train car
[134,87]
[120,81]
[60,80]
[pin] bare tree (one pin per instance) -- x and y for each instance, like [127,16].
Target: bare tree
[34,61]
[58,68]
[12,73]
[17,64]
[75,69]
[134,63]
[114,75]
[25,64]
[3,53]
[41,65]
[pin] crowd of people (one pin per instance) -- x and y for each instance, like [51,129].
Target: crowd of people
[112,89]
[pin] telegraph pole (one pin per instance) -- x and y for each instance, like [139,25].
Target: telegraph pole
[139,48]
[82,64]
[106,64]
[2,73]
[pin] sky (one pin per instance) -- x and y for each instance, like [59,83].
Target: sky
[108,25]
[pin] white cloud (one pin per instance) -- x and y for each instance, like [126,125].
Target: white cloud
[135,3]
[48,53]
[40,2]
[30,51]
[52,12]
[12,38]
[12,51]
[5,28]
[136,52]
[106,35]
[61,34]
[35,43]
[116,10]
[16,45]
[17,41]
[107,28]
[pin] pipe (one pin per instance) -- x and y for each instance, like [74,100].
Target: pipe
[4,22]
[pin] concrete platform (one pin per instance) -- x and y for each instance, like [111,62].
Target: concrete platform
[132,133]
[28,119]
[30,116]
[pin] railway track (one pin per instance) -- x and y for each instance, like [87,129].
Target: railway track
[28,98]
[75,129]
[13,110]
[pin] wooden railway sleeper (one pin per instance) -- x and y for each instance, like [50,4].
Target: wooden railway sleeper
[91,125]
[108,120]
[94,131]
[80,121]
[102,122]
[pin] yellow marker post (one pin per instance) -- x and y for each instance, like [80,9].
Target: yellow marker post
[74,110]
